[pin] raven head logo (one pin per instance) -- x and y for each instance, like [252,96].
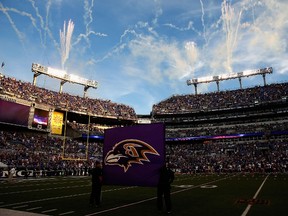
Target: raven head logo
[129,151]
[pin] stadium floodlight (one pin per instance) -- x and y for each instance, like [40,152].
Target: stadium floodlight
[205,79]
[63,76]
[37,68]
[221,77]
[229,76]
[75,78]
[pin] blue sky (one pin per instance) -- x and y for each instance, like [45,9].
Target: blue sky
[142,52]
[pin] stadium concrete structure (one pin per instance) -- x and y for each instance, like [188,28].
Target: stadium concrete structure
[256,116]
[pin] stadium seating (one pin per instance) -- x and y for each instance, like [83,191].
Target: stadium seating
[29,92]
[244,130]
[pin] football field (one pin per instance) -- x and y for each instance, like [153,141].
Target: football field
[201,194]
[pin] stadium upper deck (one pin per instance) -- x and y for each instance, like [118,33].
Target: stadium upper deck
[259,113]
[180,104]
[27,91]
[214,113]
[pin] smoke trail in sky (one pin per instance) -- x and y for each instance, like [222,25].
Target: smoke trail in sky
[33,20]
[192,53]
[202,20]
[86,36]
[119,46]
[127,31]
[88,19]
[139,25]
[48,5]
[40,28]
[47,30]
[189,27]
[237,28]
[19,34]
[158,12]
[41,21]
[65,41]
[227,16]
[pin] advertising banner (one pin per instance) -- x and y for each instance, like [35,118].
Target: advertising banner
[57,123]
[14,113]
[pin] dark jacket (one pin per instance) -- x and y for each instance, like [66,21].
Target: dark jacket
[166,177]
[96,174]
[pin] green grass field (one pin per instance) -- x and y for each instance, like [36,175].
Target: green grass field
[225,194]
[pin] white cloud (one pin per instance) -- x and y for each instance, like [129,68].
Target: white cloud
[157,59]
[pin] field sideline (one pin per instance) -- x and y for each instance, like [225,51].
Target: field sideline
[224,194]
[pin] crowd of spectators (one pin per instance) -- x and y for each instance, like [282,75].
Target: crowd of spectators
[29,92]
[221,99]
[234,157]
[51,154]
[213,130]
[44,154]
[94,128]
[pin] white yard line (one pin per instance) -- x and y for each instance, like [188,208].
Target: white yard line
[112,209]
[119,207]
[35,208]
[42,200]
[254,197]
[46,189]
[66,213]
[153,198]
[60,197]
[49,210]
[22,206]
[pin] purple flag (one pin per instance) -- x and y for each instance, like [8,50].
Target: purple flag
[133,155]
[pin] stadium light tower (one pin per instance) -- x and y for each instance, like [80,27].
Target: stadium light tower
[239,75]
[63,76]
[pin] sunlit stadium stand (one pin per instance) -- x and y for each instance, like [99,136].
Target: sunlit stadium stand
[97,107]
[27,121]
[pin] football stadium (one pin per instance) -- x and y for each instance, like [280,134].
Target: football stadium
[228,150]
[188,116]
